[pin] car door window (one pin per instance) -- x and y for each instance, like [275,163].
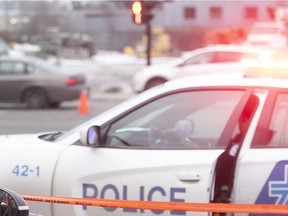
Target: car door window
[193,119]
[215,57]
[12,68]
[228,56]
[204,58]
[277,133]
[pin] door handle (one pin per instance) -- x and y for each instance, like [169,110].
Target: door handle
[189,176]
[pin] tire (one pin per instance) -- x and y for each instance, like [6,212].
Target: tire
[154,82]
[35,98]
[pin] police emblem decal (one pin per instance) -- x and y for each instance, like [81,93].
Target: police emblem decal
[275,189]
[279,189]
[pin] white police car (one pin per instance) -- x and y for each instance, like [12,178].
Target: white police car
[220,58]
[201,139]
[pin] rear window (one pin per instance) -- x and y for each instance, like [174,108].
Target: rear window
[45,66]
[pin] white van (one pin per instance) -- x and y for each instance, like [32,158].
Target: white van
[269,34]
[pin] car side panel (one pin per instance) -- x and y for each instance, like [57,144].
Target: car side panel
[127,174]
[11,87]
[29,171]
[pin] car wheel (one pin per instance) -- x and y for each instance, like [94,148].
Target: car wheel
[154,82]
[35,98]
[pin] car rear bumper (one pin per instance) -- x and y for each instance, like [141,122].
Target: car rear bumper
[67,94]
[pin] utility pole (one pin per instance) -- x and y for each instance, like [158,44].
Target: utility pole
[142,14]
[149,39]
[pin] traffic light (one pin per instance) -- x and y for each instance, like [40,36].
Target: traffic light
[142,11]
[137,12]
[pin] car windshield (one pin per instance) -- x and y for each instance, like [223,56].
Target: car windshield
[167,114]
[48,67]
[127,103]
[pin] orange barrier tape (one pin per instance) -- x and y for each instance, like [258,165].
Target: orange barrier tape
[170,206]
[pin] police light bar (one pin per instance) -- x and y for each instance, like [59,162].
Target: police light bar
[264,62]
[275,66]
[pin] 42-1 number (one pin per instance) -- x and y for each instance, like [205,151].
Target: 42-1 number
[25,170]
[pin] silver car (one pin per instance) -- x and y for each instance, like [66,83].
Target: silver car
[37,83]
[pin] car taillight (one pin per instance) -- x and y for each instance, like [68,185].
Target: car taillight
[71,81]
[77,79]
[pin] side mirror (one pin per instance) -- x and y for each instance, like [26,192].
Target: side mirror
[12,204]
[91,136]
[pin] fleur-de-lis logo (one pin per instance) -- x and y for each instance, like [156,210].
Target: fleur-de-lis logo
[279,189]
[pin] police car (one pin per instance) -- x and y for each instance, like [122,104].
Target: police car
[211,59]
[216,138]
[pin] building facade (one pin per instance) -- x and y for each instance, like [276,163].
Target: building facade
[110,23]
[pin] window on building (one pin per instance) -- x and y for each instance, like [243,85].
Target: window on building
[190,13]
[251,13]
[216,12]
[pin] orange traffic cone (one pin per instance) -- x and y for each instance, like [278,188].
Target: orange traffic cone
[83,107]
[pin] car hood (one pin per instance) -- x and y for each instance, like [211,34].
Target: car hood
[24,138]
[20,138]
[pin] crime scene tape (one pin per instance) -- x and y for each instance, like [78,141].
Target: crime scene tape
[166,206]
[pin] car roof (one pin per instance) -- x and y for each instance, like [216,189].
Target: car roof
[235,47]
[226,80]
[229,47]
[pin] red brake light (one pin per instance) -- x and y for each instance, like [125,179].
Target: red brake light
[71,81]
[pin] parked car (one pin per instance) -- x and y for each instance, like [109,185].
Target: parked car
[197,139]
[37,83]
[207,60]
[268,34]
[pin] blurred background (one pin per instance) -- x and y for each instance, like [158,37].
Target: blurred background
[62,26]
[101,40]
